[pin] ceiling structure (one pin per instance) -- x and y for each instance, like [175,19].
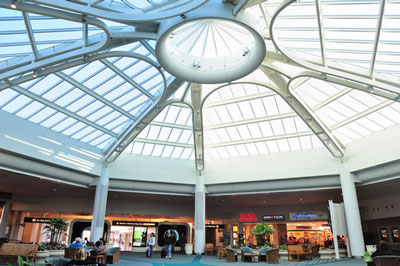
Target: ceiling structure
[95,71]
[28,185]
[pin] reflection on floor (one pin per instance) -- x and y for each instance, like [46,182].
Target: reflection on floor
[139,259]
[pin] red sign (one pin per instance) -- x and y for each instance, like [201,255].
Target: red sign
[248,217]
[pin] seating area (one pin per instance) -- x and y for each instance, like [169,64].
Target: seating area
[9,252]
[209,248]
[112,255]
[298,252]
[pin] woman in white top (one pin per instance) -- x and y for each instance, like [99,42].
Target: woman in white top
[151,243]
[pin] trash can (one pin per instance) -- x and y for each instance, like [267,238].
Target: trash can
[189,249]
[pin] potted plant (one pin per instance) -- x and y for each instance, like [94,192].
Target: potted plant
[55,228]
[283,252]
[42,253]
[262,231]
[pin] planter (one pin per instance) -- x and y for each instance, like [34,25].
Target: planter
[41,255]
[188,249]
[283,254]
[327,253]
[342,253]
[56,253]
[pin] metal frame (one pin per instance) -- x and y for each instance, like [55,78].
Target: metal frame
[91,48]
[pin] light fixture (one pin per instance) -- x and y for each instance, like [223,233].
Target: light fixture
[35,73]
[13,4]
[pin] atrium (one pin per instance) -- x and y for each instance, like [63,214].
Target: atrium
[200,112]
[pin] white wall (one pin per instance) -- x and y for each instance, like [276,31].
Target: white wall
[130,166]
[375,149]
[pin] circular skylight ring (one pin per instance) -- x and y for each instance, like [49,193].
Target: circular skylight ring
[210,50]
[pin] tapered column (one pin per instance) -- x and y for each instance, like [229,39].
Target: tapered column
[352,214]
[4,217]
[100,205]
[200,216]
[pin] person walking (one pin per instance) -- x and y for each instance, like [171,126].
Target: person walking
[169,241]
[182,240]
[151,243]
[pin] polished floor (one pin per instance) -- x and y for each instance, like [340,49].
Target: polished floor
[138,259]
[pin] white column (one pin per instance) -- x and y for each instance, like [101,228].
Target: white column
[199,216]
[4,217]
[352,214]
[100,205]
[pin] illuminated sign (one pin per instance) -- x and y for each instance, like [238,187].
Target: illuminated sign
[216,226]
[133,223]
[248,217]
[273,218]
[308,216]
[37,220]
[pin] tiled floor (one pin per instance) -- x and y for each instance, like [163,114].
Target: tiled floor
[139,259]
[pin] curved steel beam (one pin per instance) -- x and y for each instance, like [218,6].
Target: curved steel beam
[281,89]
[385,87]
[19,66]
[114,150]
[186,7]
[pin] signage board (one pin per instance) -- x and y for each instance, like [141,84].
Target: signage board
[304,216]
[248,217]
[37,220]
[216,226]
[133,223]
[273,218]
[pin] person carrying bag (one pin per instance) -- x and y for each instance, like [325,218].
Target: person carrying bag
[150,245]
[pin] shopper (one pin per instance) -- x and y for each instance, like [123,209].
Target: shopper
[77,243]
[80,258]
[169,241]
[182,241]
[150,245]
[383,249]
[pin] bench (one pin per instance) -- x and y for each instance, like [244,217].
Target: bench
[297,252]
[209,248]
[11,251]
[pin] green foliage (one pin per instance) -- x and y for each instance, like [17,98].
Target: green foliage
[21,262]
[262,230]
[42,247]
[283,247]
[56,227]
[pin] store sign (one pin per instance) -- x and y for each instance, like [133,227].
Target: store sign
[132,223]
[308,216]
[248,217]
[37,220]
[273,218]
[215,226]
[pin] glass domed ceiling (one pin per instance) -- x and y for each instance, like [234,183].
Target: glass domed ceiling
[99,101]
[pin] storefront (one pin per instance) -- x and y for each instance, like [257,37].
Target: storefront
[301,227]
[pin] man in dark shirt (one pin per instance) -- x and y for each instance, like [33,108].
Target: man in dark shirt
[383,249]
[169,241]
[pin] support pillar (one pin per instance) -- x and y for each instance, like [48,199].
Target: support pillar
[16,225]
[4,218]
[100,205]
[200,216]
[352,213]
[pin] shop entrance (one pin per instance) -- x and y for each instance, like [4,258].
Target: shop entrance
[210,235]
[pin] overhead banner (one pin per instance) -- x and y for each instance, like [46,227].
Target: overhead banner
[37,220]
[215,226]
[338,218]
[133,223]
